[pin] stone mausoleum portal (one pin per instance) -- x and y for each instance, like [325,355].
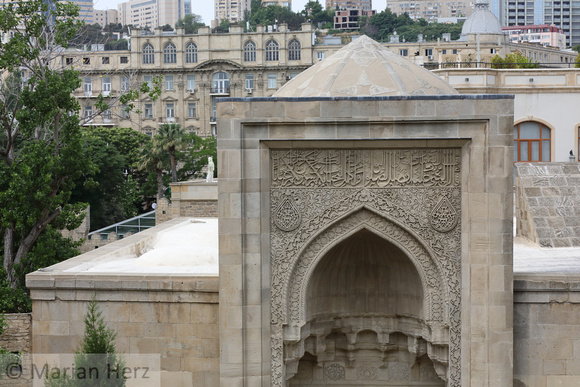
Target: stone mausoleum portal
[364,313]
[365,230]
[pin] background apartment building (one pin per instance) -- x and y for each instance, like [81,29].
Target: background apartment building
[282,3]
[431,10]
[153,13]
[537,34]
[564,14]
[106,17]
[363,5]
[232,10]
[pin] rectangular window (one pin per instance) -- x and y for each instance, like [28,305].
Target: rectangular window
[249,81]
[107,115]
[271,81]
[429,52]
[149,80]
[124,83]
[169,82]
[124,59]
[320,55]
[69,61]
[148,110]
[454,52]
[88,113]
[191,82]
[105,59]
[170,112]
[106,86]
[87,61]
[192,110]
[87,86]
[444,52]
[403,52]
[124,111]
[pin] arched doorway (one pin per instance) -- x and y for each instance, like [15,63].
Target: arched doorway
[364,320]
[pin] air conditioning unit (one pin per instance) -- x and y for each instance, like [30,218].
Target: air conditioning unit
[192,92]
[430,57]
[249,91]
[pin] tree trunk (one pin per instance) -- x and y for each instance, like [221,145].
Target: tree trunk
[159,173]
[9,256]
[173,166]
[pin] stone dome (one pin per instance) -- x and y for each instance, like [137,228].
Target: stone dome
[481,21]
[364,68]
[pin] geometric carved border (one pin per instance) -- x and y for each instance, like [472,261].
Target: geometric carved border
[403,215]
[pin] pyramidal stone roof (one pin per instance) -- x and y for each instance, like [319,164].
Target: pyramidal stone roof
[364,68]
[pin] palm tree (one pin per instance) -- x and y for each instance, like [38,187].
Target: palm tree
[154,158]
[171,137]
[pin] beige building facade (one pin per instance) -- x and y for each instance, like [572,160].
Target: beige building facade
[199,68]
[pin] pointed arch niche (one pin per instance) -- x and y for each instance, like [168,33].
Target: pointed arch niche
[364,306]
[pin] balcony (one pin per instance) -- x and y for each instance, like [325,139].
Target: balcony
[219,91]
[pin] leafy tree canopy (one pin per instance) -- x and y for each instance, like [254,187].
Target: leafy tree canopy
[514,60]
[191,23]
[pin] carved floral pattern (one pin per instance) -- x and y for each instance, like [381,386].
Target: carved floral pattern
[367,373]
[334,372]
[407,196]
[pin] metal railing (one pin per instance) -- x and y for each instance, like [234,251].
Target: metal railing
[132,225]
[488,65]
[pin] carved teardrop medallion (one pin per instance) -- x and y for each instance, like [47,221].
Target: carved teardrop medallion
[444,218]
[287,217]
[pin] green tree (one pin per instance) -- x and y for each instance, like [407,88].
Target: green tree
[96,351]
[40,137]
[171,138]
[514,60]
[194,158]
[190,22]
[577,62]
[275,15]
[155,159]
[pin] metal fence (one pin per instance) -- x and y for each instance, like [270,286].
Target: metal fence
[489,65]
[133,225]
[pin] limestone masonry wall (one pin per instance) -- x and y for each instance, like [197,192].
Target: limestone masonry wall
[17,336]
[546,331]
[548,203]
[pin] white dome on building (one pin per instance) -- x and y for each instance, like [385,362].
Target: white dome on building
[481,21]
[364,68]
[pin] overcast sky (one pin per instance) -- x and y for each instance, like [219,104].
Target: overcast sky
[204,8]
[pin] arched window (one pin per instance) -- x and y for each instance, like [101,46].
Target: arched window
[249,51]
[169,53]
[294,50]
[148,54]
[531,142]
[220,83]
[191,53]
[272,53]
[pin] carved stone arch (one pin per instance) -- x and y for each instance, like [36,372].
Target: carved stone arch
[435,293]
[218,65]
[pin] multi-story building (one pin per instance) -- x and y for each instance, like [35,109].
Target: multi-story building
[348,19]
[363,5]
[198,68]
[232,10]
[431,10]
[564,14]
[543,34]
[106,17]
[282,3]
[86,11]
[153,13]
